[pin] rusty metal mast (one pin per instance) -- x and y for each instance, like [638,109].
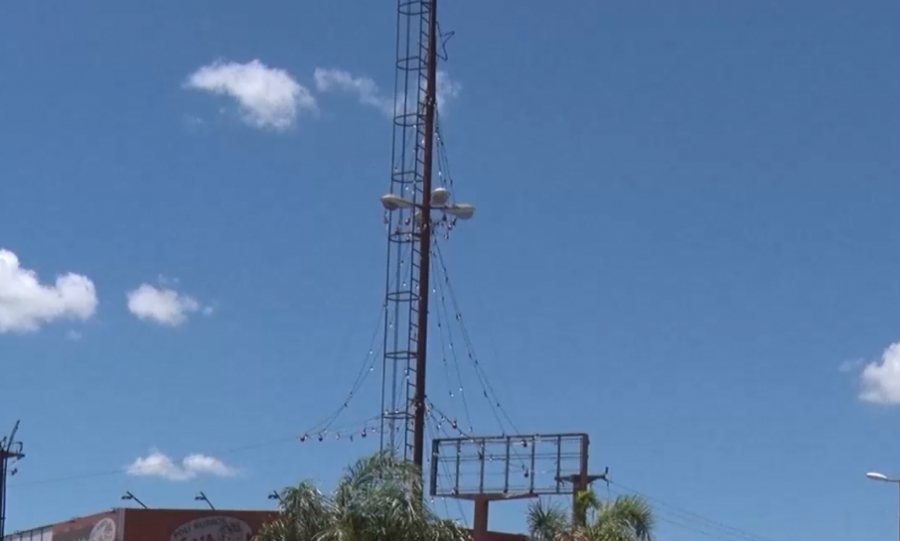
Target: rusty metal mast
[409,232]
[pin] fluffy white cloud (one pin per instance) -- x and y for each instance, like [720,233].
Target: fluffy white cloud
[881,379]
[158,464]
[268,97]
[368,93]
[26,303]
[162,305]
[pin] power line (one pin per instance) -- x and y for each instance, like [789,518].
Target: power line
[698,520]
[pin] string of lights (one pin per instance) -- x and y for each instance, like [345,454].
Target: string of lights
[444,175]
[440,426]
[449,312]
[433,432]
[488,390]
[443,420]
[321,431]
[455,388]
[367,367]
[442,291]
[346,432]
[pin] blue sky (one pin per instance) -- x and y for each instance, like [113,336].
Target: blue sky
[686,245]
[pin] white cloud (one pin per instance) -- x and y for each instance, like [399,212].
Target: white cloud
[74,336]
[158,464]
[881,379]
[364,88]
[268,97]
[26,304]
[161,305]
[368,93]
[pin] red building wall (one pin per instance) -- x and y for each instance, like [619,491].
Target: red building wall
[178,525]
[99,527]
[191,525]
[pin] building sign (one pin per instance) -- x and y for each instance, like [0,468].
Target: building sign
[211,529]
[102,530]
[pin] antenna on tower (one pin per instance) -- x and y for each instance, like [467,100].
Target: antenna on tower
[11,451]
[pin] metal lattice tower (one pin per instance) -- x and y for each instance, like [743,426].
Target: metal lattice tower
[408,170]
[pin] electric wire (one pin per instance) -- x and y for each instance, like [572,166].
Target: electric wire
[678,516]
[366,368]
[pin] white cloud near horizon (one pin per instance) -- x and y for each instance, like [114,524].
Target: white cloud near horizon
[26,304]
[163,305]
[268,97]
[368,93]
[880,380]
[158,464]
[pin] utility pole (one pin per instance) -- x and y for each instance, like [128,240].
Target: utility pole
[11,451]
[425,239]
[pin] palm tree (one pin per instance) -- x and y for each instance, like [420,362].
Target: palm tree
[626,518]
[377,499]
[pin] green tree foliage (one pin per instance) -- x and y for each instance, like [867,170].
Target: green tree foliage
[626,518]
[377,499]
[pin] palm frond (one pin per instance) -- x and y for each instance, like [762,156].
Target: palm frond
[630,515]
[377,499]
[547,521]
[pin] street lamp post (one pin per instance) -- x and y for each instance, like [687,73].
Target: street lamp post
[875,476]
[129,496]
[201,497]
